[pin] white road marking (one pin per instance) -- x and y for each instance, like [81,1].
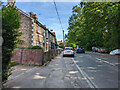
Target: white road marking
[105,61]
[88,79]
[98,59]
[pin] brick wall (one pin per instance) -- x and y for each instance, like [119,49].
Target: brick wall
[17,55]
[27,57]
[33,57]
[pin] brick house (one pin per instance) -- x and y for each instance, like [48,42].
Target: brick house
[49,39]
[33,32]
[27,26]
[52,39]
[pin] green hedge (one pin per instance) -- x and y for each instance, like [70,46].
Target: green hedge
[13,64]
[35,47]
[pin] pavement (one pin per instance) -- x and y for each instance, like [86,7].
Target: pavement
[18,69]
[59,73]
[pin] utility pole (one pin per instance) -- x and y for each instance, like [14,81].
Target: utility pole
[63,39]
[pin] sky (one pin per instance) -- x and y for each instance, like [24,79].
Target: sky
[47,15]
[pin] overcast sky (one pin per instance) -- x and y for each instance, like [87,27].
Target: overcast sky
[47,15]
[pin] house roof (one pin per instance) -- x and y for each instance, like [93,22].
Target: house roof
[44,27]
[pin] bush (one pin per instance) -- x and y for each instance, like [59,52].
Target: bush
[13,64]
[34,47]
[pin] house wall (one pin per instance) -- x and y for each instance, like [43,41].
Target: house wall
[26,29]
[41,36]
[38,35]
[34,34]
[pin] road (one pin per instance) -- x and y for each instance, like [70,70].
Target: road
[89,70]
[101,70]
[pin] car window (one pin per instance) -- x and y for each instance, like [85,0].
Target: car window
[68,48]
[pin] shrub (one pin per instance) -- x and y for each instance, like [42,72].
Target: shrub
[34,47]
[13,64]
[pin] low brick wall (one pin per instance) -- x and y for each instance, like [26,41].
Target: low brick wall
[33,57]
[17,55]
[27,57]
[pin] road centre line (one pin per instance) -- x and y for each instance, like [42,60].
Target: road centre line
[88,79]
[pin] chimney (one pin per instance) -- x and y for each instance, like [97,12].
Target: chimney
[11,2]
[33,15]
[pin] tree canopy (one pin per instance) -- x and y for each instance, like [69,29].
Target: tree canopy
[95,24]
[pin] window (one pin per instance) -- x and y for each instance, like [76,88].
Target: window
[46,34]
[53,39]
[43,32]
[68,49]
[39,29]
[50,36]
[37,42]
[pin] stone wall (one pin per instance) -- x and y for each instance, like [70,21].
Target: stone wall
[26,29]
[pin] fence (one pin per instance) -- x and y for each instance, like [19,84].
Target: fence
[33,57]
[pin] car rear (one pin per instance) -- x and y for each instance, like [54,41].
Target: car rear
[104,50]
[80,50]
[68,51]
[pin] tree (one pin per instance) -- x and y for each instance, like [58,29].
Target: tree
[10,24]
[55,40]
[61,45]
[95,24]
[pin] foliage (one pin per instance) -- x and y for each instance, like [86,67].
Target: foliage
[10,24]
[61,45]
[95,24]
[55,40]
[11,64]
[34,47]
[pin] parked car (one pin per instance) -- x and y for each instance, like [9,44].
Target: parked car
[102,50]
[95,49]
[68,51]
[115,52]
[80,50]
